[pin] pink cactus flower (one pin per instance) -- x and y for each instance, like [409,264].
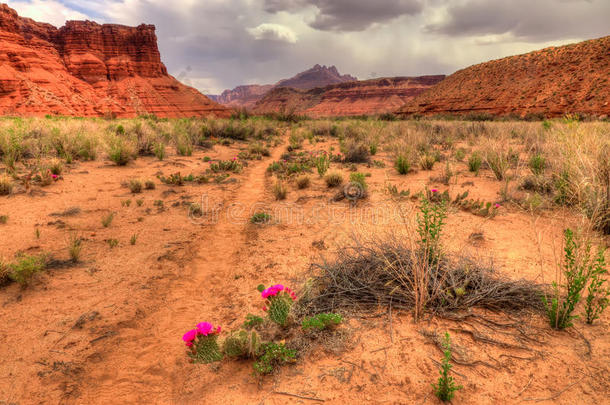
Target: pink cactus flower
[189,337]
[54,176]
[434,190]
[497,205]
[265,308]
[204,328]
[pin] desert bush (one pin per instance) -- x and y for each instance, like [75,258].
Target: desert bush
[25,268]
[135,186]
[499,162]
[107,220]
[321,321]
[537,164]
[402,164]
[120,152]
[429,228]
[75,246]
[227,166]
[427,161]
[598,296]
[149,185]
[159,150]
[260,218]
[303,181]
[358,178]
[274,355]
[474,162]
[445,388]
[322,163]
[6,185]
[279,190]
[355,151]
[3,219]
[333,179]
[577,268]
[56,167]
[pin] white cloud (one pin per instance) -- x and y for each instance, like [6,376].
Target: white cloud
[273,32]
[52,12]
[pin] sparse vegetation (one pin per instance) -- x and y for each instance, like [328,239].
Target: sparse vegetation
[279,190]
[402,164]
[303,181]
[445,388]
[135,186]
[260,218]
[107,220]
[333,179]
[75,246]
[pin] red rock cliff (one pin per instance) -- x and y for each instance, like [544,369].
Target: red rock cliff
[88,69]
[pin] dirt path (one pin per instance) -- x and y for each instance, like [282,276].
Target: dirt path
[147,362]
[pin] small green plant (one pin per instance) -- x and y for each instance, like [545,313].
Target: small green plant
[429,228]
[139,202]
[159,150]
[499,162]
[598,296]
[252,321]
[460,154]
[133,239]
[3,219]
[322,163]
[321,321]
[445,388]
[112,243]
[576,267]
[184,147]
[227,166]
[260,218]
[6,185]
[358,178]
[537,164]
[402,164]
[120,152]
[126,203]
[373,149]
[274,355]
[107,220]
[135,186]
[474,163]
[333,179]
[303,181]
[75,246]
[195,210]
[243,344]
[280,191]
[25,268]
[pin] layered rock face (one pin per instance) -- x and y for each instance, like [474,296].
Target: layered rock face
[367,97]
[553,82]
[318,76]
[87,69]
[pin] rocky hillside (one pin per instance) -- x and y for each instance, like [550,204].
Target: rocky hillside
[553,81]
[88,69]
[318,76]
[368,97]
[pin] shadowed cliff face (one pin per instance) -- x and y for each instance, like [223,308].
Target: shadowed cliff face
[554,81]
[88,69]
[368,97]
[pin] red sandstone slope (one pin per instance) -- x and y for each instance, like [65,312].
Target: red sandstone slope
[554,81]
[87,69]
[368,97]
[318,76]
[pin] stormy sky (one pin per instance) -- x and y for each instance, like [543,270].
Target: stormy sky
[219,44]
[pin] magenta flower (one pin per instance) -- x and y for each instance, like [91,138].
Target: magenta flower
[189,337]
[204,328]
[434,190]
[54,176]
[497,205]
[264,308]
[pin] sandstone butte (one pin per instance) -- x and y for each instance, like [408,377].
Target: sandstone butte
[553,81]
[367,97]
[87,69]
[246,96]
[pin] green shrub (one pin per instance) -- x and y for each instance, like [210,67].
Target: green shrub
[402,164]
[260,218]
[322,163]
[445,388]
[474,163]
[226,166]
[373,149]
[358,178]
[355,151]
[537,164]
[120,152]
[499,162]
[321,321]
[24,269]
[429,228]
[333,179]
[274,355]
[427,161]
[598,295]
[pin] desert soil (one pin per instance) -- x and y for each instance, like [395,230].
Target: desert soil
[108,329]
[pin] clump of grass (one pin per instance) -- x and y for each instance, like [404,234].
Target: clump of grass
[402,164]
[355,151]
[56,167]
[112,243]
[107,220]
[3,219]
[135,186]
[303,181]
[279,191]
[359,179]
[333,179]
[195,210]
[499,162]
[159,150]
[24,269]
[6,185]
[537,164]
[75,246]
[445,388]
[474,163]
[149,185]
[140,202]
[133,239]
[126,203]
[427,161]
[120,152]
[260,218]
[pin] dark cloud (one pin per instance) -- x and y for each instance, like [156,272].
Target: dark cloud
[526,19]
[348,15]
